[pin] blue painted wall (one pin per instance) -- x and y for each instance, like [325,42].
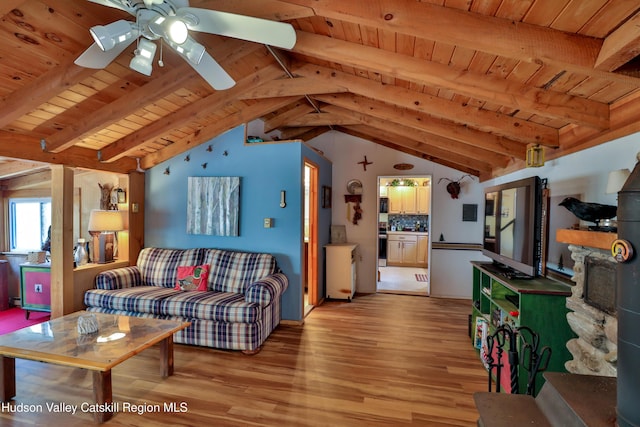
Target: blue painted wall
[264,170]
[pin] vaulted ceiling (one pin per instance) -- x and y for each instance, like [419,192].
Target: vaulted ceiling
[469,84]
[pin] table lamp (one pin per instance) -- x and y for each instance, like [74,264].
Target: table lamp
[103,225]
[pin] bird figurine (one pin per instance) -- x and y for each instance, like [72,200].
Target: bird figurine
[590,212]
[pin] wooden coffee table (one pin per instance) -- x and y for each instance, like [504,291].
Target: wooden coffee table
[58,341]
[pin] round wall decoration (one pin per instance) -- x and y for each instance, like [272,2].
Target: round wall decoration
[354,187]
[403,166]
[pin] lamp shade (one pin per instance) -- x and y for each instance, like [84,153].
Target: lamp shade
[100,220]
[616,180]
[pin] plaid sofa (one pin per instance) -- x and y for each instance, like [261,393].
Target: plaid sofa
[238,311]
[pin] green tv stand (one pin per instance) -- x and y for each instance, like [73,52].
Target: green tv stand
[539,303]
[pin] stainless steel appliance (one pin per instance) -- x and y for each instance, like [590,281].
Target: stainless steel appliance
[384,204]
[382,244]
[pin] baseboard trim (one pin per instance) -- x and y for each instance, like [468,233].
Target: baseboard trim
[292,322]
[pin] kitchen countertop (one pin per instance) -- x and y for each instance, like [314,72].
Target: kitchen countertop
[414,233]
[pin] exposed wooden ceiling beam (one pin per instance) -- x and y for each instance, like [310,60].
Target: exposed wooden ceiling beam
[484,120]
[425,123]
[45,87]
[281,119]
[321,119]
[621,46]
[292,87]
[157,88]
[296,132]
[113,112]
[41,178]
[251,112]
[19,167]
[313,132]
[22,147]
[421,140]
[546,103]
[497,36]
[194,111]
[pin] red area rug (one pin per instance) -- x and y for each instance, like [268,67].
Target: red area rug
[14,319]
[421,277]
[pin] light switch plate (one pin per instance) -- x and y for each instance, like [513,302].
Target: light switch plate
[268,222]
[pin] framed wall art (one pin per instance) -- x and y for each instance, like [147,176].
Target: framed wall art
[213,206]
[326,196]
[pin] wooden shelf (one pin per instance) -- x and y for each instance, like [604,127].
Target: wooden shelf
[592,239]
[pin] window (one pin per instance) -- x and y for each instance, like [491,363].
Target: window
[29,221]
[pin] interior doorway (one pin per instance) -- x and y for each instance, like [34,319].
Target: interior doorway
[404,238]
[310,254]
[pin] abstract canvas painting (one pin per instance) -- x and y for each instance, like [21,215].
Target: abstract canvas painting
[213,205]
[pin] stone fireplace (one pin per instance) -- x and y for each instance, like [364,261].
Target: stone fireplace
[592,307]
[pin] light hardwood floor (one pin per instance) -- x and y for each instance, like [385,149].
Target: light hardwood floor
[381,360]
[402,280]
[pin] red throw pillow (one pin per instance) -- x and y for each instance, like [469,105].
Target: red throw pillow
[192,278]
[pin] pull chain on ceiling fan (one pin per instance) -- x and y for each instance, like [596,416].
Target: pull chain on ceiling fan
[170,22]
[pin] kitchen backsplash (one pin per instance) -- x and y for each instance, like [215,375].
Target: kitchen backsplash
[408,222]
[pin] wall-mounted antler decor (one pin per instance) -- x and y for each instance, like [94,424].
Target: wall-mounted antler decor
[105,196]
[453,187]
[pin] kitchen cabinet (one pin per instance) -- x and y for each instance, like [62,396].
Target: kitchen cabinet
[423,199]
[402,250]
[341,270]
[35,287]
[409,200]
[423,251]
[402,200]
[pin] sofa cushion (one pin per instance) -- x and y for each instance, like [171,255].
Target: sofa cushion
[159,267]
[234,271]
[140,299]
[218,306]
[192,277]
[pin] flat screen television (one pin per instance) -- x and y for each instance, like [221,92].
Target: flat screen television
[512,226]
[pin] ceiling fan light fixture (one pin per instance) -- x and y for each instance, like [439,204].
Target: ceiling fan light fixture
[177,31]
[143,60]
[191,50]
[170,28]
[108,36]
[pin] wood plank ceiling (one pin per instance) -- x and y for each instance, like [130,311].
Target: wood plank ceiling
[469,84]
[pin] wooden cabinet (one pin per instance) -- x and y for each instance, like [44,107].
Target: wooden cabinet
[341,270]
[423,200]
[538,303]
[423,251]
[402,249]
[35,287]
[409,200]
[402,200]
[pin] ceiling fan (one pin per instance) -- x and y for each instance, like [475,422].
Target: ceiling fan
[170,21]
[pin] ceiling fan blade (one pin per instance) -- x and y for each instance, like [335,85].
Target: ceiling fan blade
[94,57]
[242,27]
[116,4]
[213,73]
